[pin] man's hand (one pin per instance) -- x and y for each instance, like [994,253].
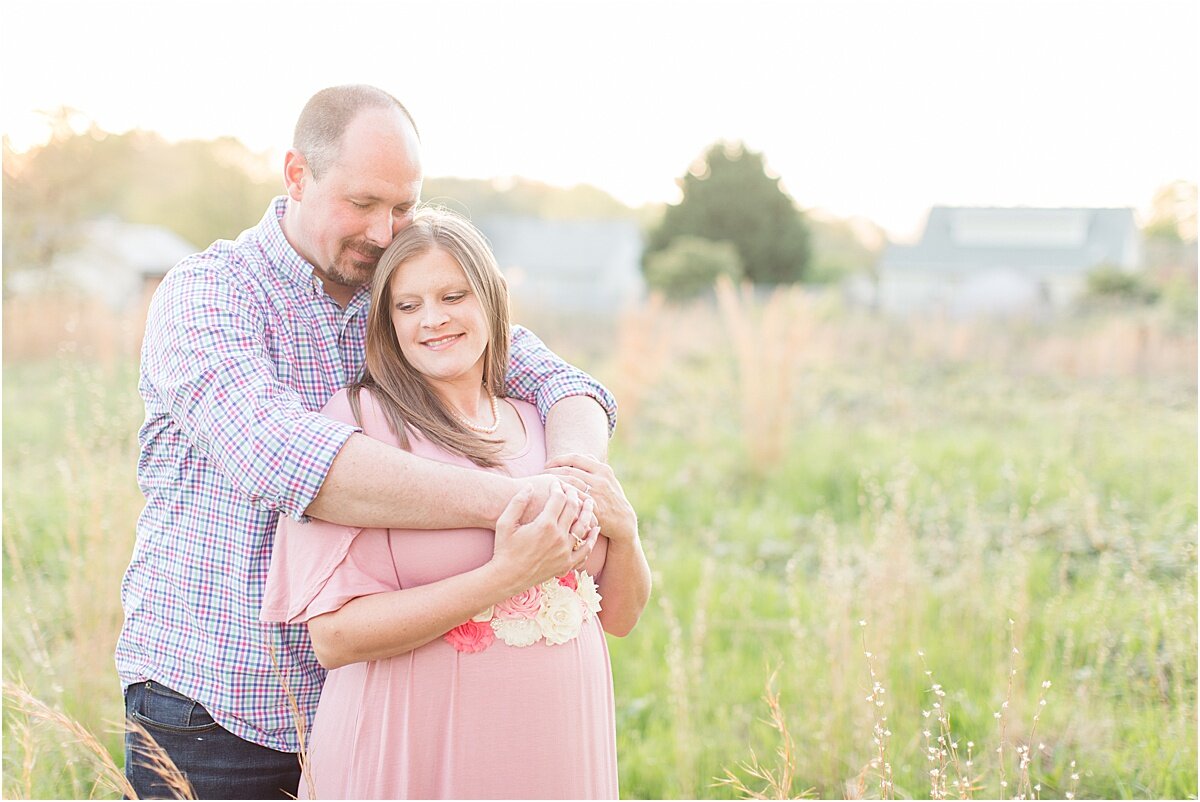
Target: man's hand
[596,480]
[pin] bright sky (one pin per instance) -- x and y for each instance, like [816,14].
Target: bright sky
[876,109]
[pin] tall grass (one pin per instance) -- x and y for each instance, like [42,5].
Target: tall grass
[798,469]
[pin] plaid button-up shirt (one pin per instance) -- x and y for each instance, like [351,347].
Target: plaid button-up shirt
[242,349]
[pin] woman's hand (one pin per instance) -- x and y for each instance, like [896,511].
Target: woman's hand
[545,546]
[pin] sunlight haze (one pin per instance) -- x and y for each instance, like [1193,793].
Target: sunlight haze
[877,110]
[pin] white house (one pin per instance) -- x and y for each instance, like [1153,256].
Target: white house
[113,261]
[568,266]
[1002,261]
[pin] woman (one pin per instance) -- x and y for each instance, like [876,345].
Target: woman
[463,663]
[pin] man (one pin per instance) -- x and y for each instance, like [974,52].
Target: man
[244,342]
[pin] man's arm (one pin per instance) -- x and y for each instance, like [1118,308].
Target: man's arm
[579,412]
[210,384]
[372,484]
[577,425]
[206,366]
[376,485]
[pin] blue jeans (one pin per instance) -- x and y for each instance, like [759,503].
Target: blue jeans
[218,764]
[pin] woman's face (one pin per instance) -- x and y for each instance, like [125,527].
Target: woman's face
[438,320]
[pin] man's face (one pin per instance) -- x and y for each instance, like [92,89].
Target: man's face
[348,216]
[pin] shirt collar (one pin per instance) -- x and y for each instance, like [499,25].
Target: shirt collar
[284,258]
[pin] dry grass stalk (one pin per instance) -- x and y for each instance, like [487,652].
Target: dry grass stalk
[174,781]
[685,670]
[892,562]
[999,715]
[108,775]
[24,734]
[642,352]
[777,780]
[679,698]
[1026,788]
[838,585]
[298,721]
[880,734]
[945,756]
[699,632]
[1070,794]
[765,346]
[41,327]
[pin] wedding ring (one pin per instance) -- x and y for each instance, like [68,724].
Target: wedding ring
[587,489]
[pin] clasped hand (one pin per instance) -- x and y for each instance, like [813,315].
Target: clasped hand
[615,514]
[548,529]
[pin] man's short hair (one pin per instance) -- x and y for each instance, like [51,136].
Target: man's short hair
[325,117]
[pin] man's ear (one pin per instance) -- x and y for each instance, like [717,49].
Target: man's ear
[295,174]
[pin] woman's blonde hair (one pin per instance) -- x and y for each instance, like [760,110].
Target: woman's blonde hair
[400,389]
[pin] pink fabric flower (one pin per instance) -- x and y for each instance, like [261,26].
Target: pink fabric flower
[471,636]
[554,611]
[525,604]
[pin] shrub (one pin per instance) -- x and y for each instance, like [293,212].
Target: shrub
[1111,282]
[690,266]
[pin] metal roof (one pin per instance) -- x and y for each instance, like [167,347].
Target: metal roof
[1026,239]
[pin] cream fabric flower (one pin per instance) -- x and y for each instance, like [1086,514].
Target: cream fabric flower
[561,616]
[589,595]
[519,632]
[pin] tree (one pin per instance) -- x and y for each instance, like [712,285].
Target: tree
[1174,213]
[202,190]
[691,265]
[42,200]
[730,196]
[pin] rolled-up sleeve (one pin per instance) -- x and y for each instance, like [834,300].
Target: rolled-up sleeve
[538,375]
[207,366]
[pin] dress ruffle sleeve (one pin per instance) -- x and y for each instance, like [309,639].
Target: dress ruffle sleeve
[303,581]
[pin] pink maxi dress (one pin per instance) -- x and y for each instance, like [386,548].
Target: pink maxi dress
[533,722]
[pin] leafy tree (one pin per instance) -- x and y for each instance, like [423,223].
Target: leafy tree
[42,197]
[690,266]
[202,190]
[1174,213]
[730,196]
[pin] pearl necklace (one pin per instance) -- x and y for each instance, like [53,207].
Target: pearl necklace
[475,427]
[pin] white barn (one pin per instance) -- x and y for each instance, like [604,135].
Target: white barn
[568,266]
[113,261]
[1003,261]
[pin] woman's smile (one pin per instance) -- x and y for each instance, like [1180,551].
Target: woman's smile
[441,343]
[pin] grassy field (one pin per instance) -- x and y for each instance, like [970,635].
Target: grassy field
[934,559]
